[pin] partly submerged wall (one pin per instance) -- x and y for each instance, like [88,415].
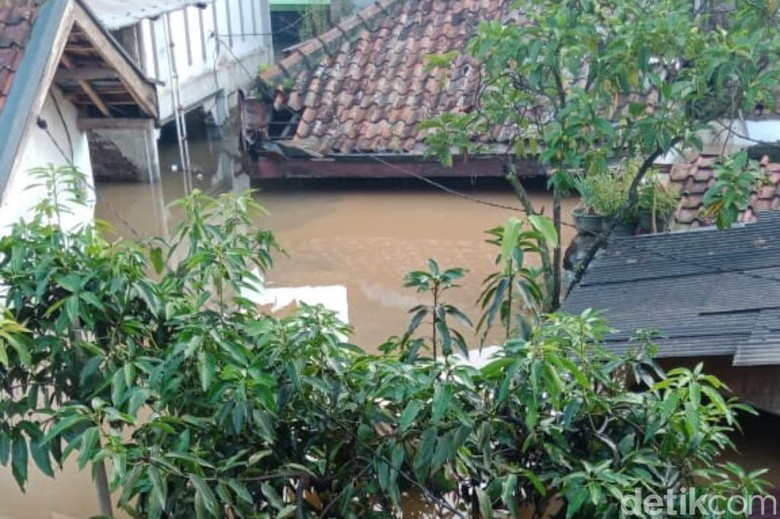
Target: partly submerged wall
[57,141]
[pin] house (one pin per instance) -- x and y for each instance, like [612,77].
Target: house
[199,52]
[61,75]
[349,103]
[713,297]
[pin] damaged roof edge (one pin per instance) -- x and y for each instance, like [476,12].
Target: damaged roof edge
[16,117]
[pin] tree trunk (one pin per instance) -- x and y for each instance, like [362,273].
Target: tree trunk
[556,295]
[104,494]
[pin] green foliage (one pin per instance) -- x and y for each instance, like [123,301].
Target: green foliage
[315,20]
[605,194]
[578,84]
[736,178]
[436,282]
[145,357]
[515,282]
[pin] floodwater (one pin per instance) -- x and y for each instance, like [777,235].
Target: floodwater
[364,236]
[361,237]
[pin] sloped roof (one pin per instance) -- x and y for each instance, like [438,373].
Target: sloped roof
[16,22]
[693,179]
[363,86]
[45,42]
[707,292]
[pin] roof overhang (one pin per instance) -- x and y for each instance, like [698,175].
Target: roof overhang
[66,39]
[118,14]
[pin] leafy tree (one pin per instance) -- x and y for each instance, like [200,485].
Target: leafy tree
[583,82]
[146,358]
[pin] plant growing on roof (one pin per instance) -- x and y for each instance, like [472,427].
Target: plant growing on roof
[585,82]
[656,203]
[736,179]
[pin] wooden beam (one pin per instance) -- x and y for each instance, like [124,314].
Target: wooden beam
[86,74]
[87,88]
[139,87]
[114,123]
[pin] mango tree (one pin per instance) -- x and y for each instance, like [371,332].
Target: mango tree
[584,83]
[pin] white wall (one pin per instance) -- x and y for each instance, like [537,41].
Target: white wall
[41,148]
[220,47]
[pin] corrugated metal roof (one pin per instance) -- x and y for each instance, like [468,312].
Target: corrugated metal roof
[708,292]
[117,14]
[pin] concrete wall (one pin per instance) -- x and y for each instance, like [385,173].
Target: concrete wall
[126,154]
[56,145]
[216,49]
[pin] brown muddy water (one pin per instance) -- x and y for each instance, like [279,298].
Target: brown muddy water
[362,236]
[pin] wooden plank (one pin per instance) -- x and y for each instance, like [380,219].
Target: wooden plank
[86,73]
[87,88]
[114,123]
[144,93]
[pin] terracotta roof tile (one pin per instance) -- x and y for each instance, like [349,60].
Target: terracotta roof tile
[16,21]
[695,177]
[370,70]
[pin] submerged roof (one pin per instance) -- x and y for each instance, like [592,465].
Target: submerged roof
[363,87]
[117,14]
[707,292]
[693,179]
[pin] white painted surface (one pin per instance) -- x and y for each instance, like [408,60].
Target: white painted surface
[218,48]
[332,297]
[41,148]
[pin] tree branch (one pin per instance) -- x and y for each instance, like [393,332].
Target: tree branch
[633,195]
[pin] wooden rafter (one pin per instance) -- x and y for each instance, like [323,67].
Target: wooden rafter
[143,92]
[85,73]
[87,88]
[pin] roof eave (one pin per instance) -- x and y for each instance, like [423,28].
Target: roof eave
[28,87]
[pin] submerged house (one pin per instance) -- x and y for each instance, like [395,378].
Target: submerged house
[61,75]
[349,103]
[713,297]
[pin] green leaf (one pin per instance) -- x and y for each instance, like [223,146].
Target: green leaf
[509,238]
[485,505]
[156,257]
[442,397]
[5,448]
[89,444]
[206,494]
[409,414]
[546,227]
[159,492]
[63,425]
[40,455]
[19,460]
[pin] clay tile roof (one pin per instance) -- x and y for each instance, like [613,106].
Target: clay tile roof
[16,20]
[370,70]
[695,177]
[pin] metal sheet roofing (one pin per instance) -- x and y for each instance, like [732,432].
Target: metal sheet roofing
[707,292]
[117,14]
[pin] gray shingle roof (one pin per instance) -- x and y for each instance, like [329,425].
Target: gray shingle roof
[707,292]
